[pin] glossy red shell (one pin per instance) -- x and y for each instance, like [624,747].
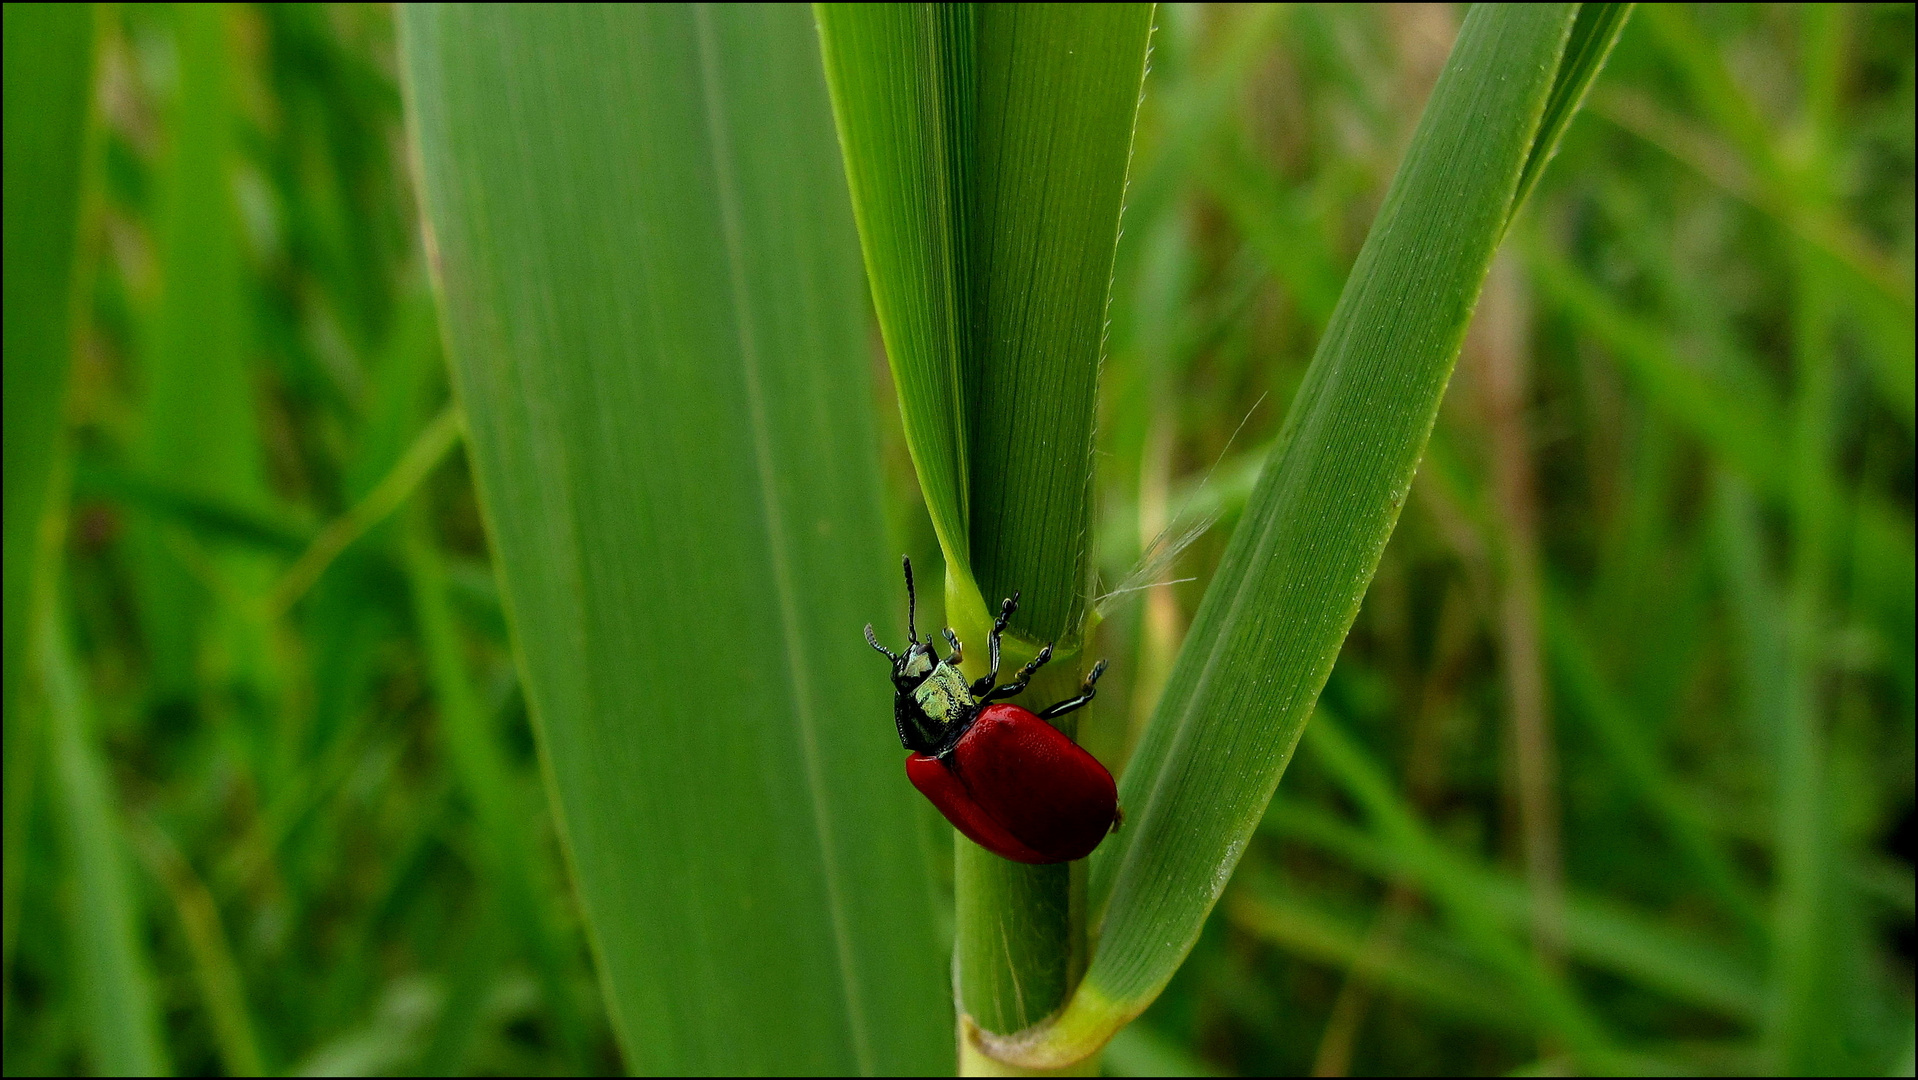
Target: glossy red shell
[1019,788]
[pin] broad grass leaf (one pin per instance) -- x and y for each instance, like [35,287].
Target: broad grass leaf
[653,312]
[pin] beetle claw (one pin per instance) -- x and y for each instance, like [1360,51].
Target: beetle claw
[1086,693]
[1018,684]
[1098,669]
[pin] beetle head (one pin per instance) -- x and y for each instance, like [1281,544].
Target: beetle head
[909,668]
[924,708]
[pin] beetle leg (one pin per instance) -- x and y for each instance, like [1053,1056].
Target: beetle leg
[984,685]
[1018,684]
[874,642]
[1085,695]
[958,651]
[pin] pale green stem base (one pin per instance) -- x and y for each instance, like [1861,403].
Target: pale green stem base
[974,1061]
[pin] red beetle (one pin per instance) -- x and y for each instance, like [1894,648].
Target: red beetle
[1010,781]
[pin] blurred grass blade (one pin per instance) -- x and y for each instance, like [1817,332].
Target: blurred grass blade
[1271,624]
[1599,934]
[1883,301]
[1740,424]
[1638,761]
[1197,102]
[199,431]
[1138,1051]
[511,856]
[1784,185]
[210,518]
[429,448]
[1741,427]
[651,300]
[221,985]
[122,1025]
[1815,991]
[507,827]
[1299,926]
[1553,1002]
[49,64]
[1278,224]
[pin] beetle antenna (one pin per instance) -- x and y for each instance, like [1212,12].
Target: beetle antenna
[873,641]
[958,650]
[912,603]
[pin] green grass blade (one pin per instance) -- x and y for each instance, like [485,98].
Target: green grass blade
[1789,184]
[49,64]
[651,300]
[111,970]
[1137,1051]
[902,79]
[1883,297]
[1593,35]
[1278,224]
[1271,624]
[988,147]
[1812,991]
[1059,92]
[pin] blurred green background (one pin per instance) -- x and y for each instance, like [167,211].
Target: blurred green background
[1635,676]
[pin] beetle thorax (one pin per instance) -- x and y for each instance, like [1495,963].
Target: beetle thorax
[944,696]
